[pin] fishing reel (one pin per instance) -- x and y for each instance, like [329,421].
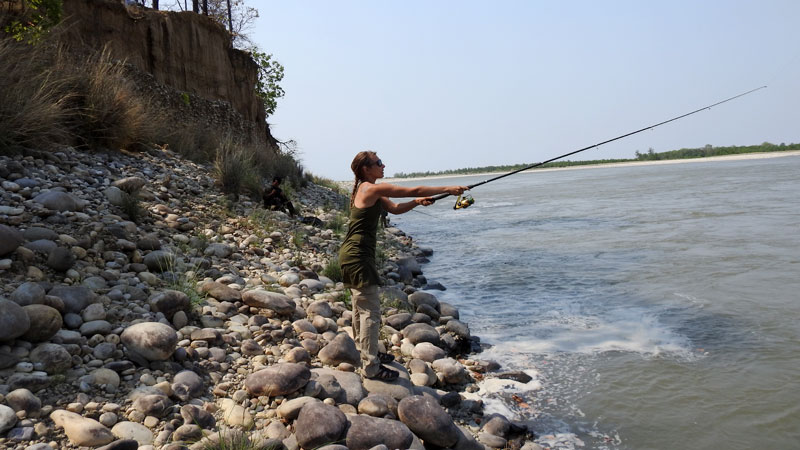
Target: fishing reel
[464,202]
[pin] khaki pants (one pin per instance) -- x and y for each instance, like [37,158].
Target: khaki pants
[366,326]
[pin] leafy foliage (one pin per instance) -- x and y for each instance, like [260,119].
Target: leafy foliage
[270,73]
[34,19]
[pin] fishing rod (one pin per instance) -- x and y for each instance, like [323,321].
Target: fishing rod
[467,201]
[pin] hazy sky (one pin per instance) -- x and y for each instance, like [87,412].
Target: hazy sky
[434,85]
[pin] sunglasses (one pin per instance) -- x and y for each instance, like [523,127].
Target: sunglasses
[377,163]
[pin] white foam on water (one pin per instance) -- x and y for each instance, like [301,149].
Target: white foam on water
[491,391]
[564,333]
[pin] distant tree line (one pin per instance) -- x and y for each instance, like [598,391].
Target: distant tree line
[650,155]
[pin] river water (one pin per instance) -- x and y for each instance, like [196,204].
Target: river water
[656,306]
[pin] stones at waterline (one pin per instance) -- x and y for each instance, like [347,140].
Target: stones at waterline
[129,184]
[14,321]
[280,379]
[446,309]
[10,239]
[411,264]
[193,414]
[24,400]
[220,291]
[45,322]
[152,341]
[50,358]
[187,385]
[450,371]
[80,430]
[8,418]
[155,405]
[340,349]
[75,298]
[169,302]
[421,332]
[279,303]
[427,352]
[348,382]
[59,201]
[159,261]
[60,259]
[423,298]
[467,442]
[378,405]
[365,432]
[28,293]
[428,420]
[398,321]
[319,424]
[131,430]
[458,328]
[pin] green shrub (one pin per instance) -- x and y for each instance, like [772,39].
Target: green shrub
[333,270]
[131,206]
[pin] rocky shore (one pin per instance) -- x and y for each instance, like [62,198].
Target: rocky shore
[140,308]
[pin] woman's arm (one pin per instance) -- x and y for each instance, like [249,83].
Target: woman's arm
[369,193]
[400,208]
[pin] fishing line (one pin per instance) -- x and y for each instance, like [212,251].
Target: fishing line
[460,204]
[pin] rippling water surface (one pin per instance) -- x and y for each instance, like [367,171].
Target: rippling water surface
[657,305]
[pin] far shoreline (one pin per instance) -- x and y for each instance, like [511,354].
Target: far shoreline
[735,157]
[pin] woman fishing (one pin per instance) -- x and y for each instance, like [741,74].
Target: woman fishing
[357,255]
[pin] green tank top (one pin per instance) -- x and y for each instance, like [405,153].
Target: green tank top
[357,254]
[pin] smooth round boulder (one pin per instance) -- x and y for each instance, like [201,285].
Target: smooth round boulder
[44,323]
[458,328]
[427,352]
[155,405]
[14,321]
[169,302]
[50,358]
[398,321]
[320,308]
[81,431]
[152,341]
[446,309]
[423,298]
[58,201]
[428,420]
[280,379]
[220,292]
[421,332]
[340,349]
[24,400]
[135,431]
[75,298]
[28,293]
[130,184]
[195,415]
[187,385]
[159,261]
[378,405]
[8,418]
[60,259]
[10,239]
[366,432]
[319,424]
[279,303]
